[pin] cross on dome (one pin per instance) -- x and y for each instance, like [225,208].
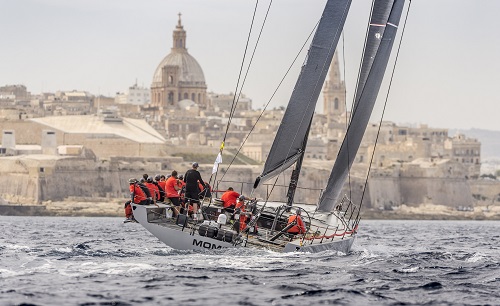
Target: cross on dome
[179,24]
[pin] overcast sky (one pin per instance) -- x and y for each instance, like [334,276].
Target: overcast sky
[446,75]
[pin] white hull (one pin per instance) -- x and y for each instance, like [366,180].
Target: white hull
[188,238]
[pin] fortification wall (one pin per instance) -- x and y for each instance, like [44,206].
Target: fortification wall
[384,192]
[486,191]
[30,179]
[451,192]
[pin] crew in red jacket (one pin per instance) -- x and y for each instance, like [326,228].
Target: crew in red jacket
[229,198]
[136,194]
[153,189]
[298,228]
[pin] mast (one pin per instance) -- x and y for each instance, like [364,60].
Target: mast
[364,105]
[289,143]
[294,179]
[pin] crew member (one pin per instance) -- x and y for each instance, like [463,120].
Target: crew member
[137,195]
[161,187]
[128,211]
[145,189]
[191,178]
[299,227]
[155,193]
[205,191]
[244,215]
[173,186]
[229,198]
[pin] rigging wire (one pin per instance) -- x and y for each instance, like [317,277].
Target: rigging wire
[233,105]
[348,119]
[383,112]
[270,99]
[239,75]
[251,58]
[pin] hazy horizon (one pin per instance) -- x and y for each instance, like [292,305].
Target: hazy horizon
[445,75]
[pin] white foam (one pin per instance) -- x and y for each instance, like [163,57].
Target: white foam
[475,257]
[409,270]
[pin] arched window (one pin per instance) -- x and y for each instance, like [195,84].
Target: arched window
[336,104]
[171,98]
[199,98]
[170,79]
[193,97]
[186,95]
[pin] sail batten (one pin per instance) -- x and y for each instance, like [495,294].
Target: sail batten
[290,140]
[367,94]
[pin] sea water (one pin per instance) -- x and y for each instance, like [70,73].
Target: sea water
[103,261]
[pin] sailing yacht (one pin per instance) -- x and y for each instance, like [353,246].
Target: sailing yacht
[333,224]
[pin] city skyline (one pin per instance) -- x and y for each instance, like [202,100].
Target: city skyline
[444,76]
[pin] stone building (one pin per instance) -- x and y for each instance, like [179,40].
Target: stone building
[105,136]
[73,102]
[135,95]
[334,91]
[178,76]
[224,102]
[14,92]
[466,151]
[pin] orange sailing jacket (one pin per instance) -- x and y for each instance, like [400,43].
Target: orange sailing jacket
[297,228]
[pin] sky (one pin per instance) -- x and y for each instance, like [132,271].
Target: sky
[445,75]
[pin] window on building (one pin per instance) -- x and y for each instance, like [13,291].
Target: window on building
[171,98]
[170,79]
[186,95]
[193,97]
[336,103]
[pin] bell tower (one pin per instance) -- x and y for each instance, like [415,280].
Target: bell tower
[179,37]
[334,91]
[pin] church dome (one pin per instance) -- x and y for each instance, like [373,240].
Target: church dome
[190,71]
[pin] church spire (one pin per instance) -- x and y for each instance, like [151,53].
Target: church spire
[334,90]
[179,37]
[334,74]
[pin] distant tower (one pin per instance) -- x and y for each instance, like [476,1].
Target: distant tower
[334,91]
[178,76]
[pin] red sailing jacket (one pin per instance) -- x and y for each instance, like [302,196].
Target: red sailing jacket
[137,193]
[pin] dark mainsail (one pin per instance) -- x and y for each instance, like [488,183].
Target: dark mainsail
[291,138]
[364,107]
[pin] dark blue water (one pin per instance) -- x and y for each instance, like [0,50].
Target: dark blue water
[101,261]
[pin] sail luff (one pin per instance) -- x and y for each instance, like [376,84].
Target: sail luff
[379,17]
[361,115]
[293,130]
